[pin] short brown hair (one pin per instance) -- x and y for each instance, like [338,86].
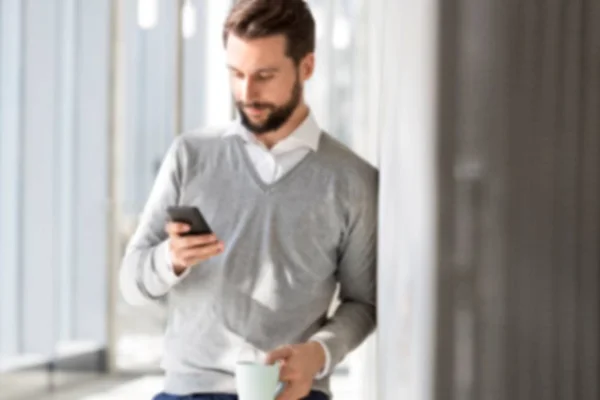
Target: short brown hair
[253,19]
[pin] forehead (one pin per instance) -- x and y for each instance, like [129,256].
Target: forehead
[256,53]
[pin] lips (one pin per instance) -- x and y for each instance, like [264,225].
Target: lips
[254,110]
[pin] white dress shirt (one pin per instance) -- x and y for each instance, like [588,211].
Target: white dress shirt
[272,164]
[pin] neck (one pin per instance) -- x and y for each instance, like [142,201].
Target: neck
[270,139]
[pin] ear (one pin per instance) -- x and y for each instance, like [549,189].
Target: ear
[307,67]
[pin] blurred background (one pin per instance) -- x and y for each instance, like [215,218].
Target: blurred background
[483,117]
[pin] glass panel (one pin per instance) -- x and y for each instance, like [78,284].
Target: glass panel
[54,91]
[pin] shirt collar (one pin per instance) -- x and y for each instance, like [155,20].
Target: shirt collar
[307,134]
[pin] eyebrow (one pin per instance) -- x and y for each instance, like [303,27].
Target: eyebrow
[262,70]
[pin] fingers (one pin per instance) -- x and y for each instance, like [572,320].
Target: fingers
[295,372]
[190,242]
[288,374]
[190,250]
[178,242]
[189,256]
[279,354]
[197,254]
[176,228]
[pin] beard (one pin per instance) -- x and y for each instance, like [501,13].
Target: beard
[278,116]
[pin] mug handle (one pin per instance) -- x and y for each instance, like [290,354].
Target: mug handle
[280,387]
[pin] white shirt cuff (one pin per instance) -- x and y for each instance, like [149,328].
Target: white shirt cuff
[326,368]
[165,270]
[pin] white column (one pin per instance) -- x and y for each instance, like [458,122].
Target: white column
[11,13]
[67,167]
[195,98]
[367,91]
[92,203]
[38,208]
[367,85]
[408,209]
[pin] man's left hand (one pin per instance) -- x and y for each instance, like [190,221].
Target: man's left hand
[300,363]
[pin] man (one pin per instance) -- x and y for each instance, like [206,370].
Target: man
[293,213]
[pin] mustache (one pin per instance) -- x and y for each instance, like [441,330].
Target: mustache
[257,105]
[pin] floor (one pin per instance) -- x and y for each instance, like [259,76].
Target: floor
[143,388]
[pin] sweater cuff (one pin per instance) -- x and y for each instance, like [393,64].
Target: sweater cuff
[327,367]
[335,350]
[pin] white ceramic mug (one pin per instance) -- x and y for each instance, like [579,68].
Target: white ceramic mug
[257,381]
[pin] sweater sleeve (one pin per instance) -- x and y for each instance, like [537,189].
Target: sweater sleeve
[145,272]
[355,318]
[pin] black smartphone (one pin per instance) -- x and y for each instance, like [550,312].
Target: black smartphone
[192,216]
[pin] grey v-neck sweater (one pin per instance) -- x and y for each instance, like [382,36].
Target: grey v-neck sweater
[287,245]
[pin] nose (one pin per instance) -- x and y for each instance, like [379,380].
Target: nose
[248,92]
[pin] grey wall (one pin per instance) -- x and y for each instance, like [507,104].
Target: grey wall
[491,237]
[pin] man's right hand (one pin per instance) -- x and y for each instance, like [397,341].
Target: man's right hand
[187,251]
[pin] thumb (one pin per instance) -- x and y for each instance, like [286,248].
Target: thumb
[279,354]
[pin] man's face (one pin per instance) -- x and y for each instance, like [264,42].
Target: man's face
[267,85]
